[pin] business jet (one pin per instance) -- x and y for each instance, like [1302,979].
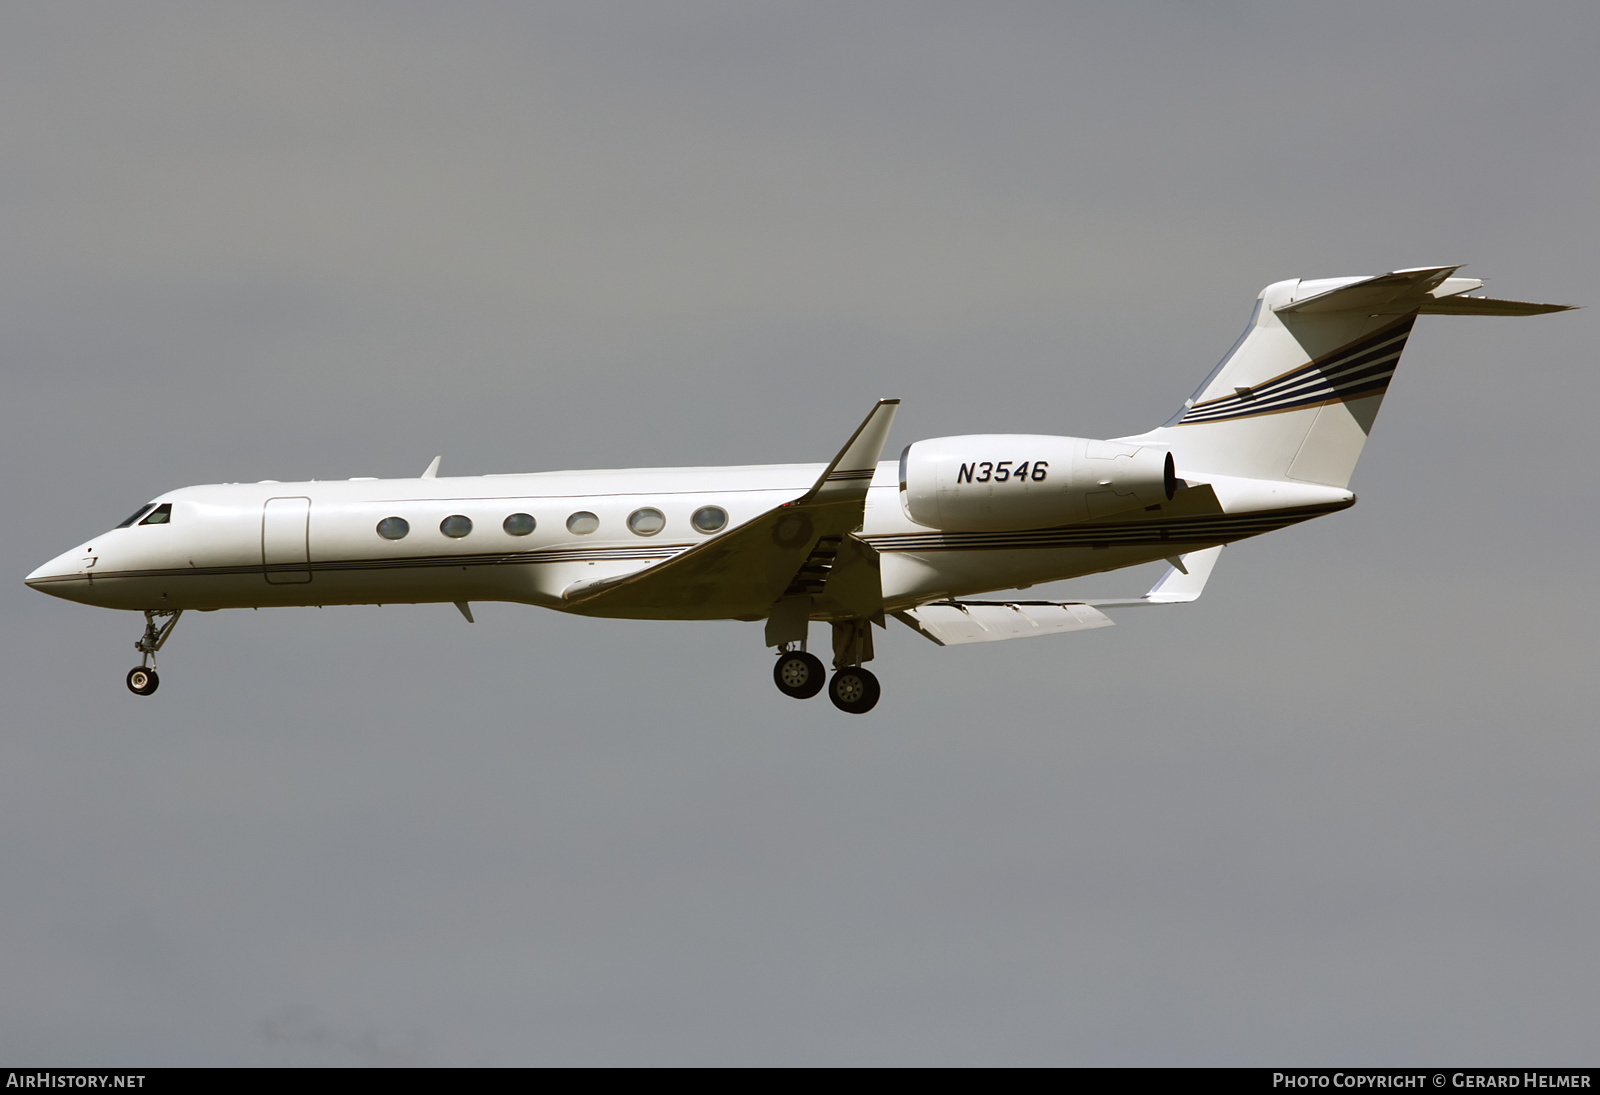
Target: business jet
[1269,439]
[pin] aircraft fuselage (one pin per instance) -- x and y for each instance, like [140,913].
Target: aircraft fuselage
[247,545]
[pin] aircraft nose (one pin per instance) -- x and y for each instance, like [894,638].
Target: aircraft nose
[61,576]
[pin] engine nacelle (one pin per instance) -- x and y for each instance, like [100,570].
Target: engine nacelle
[996,482]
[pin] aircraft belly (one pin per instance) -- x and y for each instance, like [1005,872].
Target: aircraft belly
[249,588]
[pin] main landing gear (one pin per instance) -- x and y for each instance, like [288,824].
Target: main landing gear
[853,689]
[142,678]
[799,674]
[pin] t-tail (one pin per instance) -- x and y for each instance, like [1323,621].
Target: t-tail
[1296,396]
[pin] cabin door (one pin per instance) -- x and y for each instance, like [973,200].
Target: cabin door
[285,540]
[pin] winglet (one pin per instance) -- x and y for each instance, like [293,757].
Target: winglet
[851,471]
[433,468]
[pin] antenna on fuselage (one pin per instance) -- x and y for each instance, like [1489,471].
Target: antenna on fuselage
[433,468]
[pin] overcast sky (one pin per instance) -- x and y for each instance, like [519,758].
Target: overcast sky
[1340,810]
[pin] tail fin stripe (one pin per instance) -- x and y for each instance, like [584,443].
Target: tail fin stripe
[1375,340]
[1352,371]
[1321,397]
[1340,358]
[1374,377]
[1310,378]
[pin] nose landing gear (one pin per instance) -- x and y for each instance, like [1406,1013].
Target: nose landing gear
[142,678]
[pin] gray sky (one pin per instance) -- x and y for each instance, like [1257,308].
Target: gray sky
[1340,810]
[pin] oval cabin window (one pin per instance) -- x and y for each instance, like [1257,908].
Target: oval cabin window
[709,518]
[646,522]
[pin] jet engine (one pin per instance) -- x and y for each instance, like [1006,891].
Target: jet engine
[1005,481]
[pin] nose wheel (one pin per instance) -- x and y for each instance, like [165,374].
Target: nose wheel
[142,681]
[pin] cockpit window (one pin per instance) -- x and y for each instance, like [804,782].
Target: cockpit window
[161,515]
[144,509]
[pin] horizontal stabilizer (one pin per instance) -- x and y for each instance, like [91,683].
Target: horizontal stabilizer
[1427,289]
[1394,293]
[1176,587]
[1488,306]
[953,623]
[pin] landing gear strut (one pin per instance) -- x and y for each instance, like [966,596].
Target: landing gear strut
[142,678]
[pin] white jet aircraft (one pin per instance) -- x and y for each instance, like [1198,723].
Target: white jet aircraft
[1269,439]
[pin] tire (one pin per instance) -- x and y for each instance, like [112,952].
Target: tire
[854,690]
[142,681]
[799,674]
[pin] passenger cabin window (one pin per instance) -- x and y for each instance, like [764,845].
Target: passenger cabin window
[519,524]
[393,528]
[709,518]
[142,510]
[456,526]
[161,515]
[646,522]
[582,523]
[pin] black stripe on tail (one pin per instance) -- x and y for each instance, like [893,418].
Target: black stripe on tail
[1364,367]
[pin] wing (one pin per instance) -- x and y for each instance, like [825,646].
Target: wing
[740,573]
[954,623]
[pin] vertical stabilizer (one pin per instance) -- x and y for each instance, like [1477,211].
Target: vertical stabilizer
[1296,396]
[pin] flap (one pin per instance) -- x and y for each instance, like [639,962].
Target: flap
[953,623]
